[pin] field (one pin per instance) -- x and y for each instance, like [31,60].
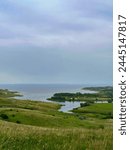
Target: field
[33,125]
[103,111]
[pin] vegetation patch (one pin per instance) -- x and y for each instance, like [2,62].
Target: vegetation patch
[4,116]
[105,111]
[29,125]
[21,137]
[100,94]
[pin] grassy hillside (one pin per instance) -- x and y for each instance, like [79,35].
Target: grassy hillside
[102,111]
[21,137]
[33,125]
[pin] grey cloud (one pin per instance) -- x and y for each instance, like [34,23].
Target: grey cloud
[65,41]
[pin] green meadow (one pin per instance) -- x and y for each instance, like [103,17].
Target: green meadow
[35,125]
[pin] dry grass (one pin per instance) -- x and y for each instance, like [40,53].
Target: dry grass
[22,137]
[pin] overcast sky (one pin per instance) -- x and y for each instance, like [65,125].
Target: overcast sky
[56,41]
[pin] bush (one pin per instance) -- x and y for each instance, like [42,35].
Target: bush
[4,116]
[85,104]
[110,100]
[18,121]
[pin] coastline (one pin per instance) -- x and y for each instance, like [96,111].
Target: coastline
[29,121]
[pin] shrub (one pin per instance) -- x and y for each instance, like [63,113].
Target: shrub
[18,121]
[110,100]
[85,104]
[4,116]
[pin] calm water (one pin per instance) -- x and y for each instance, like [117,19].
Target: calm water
[43,91]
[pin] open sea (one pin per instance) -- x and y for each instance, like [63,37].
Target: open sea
[43,91]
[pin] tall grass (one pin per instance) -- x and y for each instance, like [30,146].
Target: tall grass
[22,137]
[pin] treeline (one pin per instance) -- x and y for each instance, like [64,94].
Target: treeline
[105,93]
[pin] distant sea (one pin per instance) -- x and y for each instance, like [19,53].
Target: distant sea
[43,91]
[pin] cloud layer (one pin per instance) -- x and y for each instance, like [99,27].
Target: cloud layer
[61,41]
